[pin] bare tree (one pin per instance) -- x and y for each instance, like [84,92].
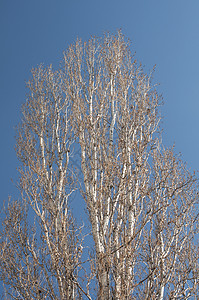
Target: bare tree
[45,260]
[140,197]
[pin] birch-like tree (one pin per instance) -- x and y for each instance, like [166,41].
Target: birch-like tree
[40,245]
[140,197]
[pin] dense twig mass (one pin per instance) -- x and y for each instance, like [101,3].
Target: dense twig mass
[140,198]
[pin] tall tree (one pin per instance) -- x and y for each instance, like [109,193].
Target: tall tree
[44,259]
[140,198]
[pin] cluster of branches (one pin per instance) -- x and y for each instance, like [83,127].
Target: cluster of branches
[140,198]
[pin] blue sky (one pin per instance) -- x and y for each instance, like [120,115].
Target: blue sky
[163,33]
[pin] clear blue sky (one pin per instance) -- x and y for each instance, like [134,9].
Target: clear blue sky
[163,32]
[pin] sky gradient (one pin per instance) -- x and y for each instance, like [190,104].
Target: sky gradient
[163,33]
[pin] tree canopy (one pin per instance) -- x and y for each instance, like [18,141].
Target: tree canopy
[140,198]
